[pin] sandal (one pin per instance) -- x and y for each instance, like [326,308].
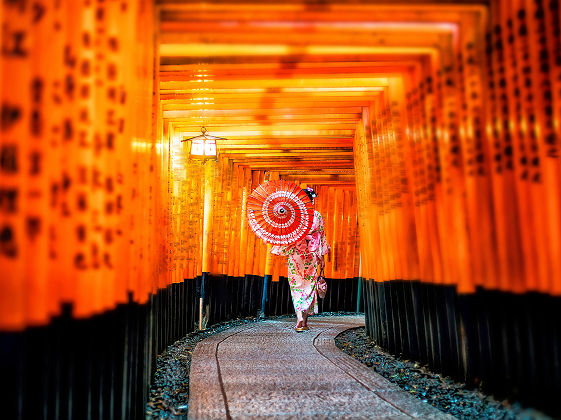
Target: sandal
[302,328]
[299,327]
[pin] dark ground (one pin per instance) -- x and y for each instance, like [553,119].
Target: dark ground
[169,393]
[441,392]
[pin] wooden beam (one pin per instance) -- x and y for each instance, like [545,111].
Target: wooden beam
[293,59]
[268,83]
[287,110]
[206,50]
[277,134]
[186,33]
[236,129]
[271,94]
[324,106]
[266,102]
[196,120]
[272,67]
[343,153]
[328,11]
[314,147]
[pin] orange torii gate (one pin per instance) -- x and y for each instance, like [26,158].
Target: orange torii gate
[429,129]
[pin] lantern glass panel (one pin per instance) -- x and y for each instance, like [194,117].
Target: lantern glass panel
[210,148]
[198,148]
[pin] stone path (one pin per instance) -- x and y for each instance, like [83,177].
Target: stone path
[266,369]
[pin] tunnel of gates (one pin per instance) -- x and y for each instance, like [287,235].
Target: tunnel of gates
[445,228]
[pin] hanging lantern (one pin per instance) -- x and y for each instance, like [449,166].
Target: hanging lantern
[203,146]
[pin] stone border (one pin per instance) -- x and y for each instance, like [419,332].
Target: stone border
[324,342]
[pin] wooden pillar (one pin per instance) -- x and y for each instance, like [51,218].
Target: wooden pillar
[210,168]
[207,220]
[246,173]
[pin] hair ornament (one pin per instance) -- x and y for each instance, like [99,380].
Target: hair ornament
[311,192]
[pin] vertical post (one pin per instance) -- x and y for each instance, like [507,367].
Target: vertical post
[266,279]
[243,229]
[243,271]
[210,167]
[359,291]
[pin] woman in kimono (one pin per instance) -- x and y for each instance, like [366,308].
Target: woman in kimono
[304,257]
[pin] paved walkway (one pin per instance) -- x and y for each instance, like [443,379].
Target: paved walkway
[268,370]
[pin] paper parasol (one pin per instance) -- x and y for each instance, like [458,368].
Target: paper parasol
[280,212]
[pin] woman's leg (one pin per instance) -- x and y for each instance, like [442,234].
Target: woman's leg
[305,319]
[300,319]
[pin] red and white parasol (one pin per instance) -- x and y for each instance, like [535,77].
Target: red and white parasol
[280,212]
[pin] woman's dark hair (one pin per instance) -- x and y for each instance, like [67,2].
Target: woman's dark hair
[311,193]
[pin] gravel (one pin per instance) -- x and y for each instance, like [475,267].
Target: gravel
[441,392]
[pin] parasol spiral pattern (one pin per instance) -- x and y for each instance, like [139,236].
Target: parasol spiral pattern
[280,212]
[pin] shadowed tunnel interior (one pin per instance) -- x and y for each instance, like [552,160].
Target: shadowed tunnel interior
[429,129]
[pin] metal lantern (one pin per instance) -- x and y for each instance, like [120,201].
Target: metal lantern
[203,146]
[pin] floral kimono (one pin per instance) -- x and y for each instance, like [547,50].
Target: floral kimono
[303,260]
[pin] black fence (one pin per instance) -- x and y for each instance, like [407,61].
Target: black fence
[508,344]
[95,368]
[342,295]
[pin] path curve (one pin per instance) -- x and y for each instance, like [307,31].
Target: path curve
[268,370]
